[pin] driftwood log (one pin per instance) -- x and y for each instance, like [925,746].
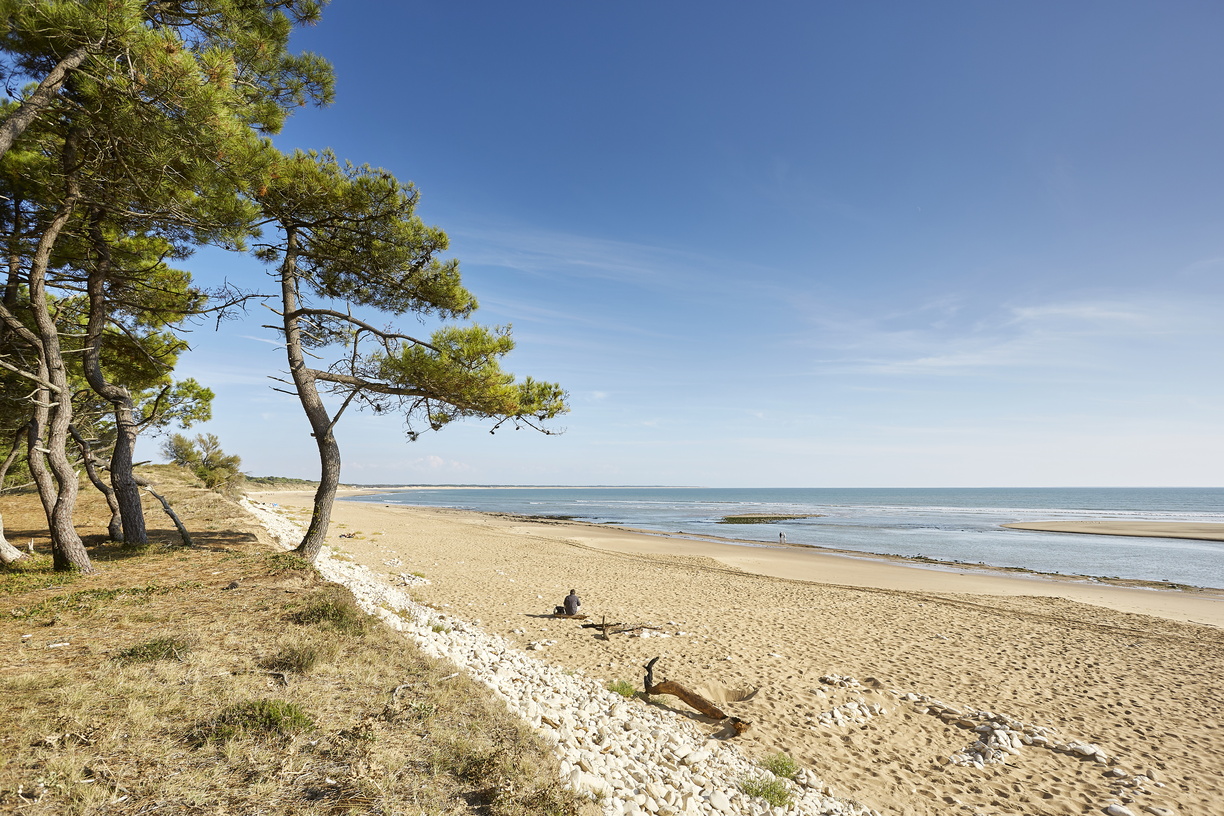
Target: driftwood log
[691,698]
[606,629]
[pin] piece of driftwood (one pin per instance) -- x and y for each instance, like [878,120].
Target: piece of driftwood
[606,628]
[691,698]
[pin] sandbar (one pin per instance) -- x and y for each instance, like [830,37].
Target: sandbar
[1202,531]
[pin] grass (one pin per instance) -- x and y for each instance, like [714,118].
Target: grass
[780,765]
[334,608]
[177,695]
[299,658]
[260,719]
[32,573]
[623,687]
[288,562]
[86,601]
[163,648]
[771,789]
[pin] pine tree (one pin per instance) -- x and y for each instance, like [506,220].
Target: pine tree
[348,237]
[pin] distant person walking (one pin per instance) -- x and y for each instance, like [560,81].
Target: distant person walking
[572,603]
[781,538]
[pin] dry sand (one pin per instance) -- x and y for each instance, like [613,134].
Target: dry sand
[1135,671]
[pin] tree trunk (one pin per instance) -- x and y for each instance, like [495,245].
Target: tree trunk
[67,550]
[321,424]
[12,455]
[126,492]
[131,511]
[178,523]
[42,97]
[35,445]
[114,529]
[8,553]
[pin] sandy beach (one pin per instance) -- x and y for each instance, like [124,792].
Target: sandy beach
[1134,672]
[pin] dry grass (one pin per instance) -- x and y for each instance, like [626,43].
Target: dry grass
[176,695]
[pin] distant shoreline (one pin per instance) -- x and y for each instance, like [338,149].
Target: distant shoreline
[919,562]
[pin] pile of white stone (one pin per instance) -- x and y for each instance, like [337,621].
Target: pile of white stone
[630,757]
[852,713]
[855,712]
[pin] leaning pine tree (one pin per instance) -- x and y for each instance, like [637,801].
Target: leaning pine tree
[347,237]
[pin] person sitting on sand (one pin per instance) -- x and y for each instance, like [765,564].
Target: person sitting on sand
[572,603]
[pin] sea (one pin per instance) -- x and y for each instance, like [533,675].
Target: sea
[958,525]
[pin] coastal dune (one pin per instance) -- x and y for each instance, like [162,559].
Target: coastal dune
[875,675]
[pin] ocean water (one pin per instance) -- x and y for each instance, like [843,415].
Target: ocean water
[949,524]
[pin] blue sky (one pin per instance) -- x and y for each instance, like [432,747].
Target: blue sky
[792,243]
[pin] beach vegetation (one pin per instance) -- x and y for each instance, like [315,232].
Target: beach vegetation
[287,562]
[623,687]
[258,718]
[334,608]
[203,456]
[172,647]
[299,658]
[770,788]
[780,765]
[109,702]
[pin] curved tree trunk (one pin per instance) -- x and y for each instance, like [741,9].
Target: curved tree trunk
[12,455]
[131,511]
[67,550]
[316,412]
[42,97]
[114,529]
[34,453]
[126,492]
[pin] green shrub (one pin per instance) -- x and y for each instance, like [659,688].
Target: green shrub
[255,718]
[287,561]
[337,610]
[623,687]
[780,765]
[771,789]
[166,648]
[203,456]
[298,659]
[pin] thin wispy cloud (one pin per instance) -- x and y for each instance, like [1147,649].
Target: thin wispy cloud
[1093,335]
[270,342]
[553,254]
